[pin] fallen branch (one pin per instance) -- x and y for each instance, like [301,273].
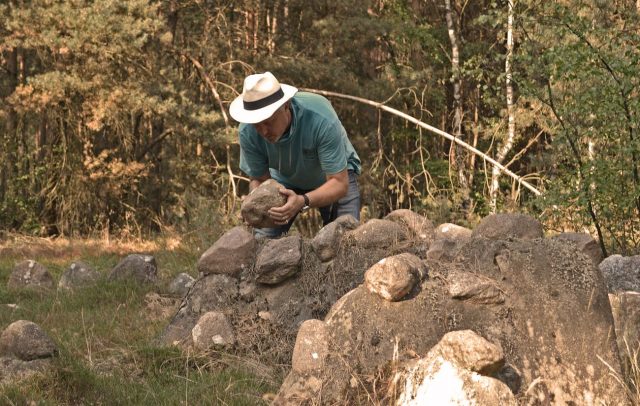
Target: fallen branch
[433,130]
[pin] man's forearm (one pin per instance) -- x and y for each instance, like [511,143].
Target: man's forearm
[331,191]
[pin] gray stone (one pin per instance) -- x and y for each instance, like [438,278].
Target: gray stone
[231,254]
[326,243]
[78,275]
[279,259]
[138,268]
[30,275]
[379,234]
[509,225]
[311,348]
[256,205]
[419,226]
[621,273]
[212,329]
[26,341]
[452,232]
[181,284]
[585,244]
[394,277]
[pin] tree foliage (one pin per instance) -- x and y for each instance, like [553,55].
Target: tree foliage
[114,112]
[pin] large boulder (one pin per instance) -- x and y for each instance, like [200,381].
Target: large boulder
[621,273]
[30,275]
[138,268]
[231,254]
[256,205]
[508,225]
[542,301]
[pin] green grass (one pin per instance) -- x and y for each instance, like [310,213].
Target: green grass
[105,335]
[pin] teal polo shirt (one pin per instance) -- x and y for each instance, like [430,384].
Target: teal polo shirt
[316,145]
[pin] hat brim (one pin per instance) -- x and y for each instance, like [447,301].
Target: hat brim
[237,111]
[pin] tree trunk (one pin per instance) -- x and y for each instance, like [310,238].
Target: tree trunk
[458,159]
[476,136]
[506,146]
[9,160]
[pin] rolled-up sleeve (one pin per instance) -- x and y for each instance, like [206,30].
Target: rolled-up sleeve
[253,160]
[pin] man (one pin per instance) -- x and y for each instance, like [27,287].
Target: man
[297,139]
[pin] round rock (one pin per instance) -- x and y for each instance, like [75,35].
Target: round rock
[394,277]
[136,267]
[25,340]
[79,274]
[30,275]
[213,329]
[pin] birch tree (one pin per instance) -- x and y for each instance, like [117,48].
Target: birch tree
[507,144]
[456,154]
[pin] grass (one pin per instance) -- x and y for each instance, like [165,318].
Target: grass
[105,334]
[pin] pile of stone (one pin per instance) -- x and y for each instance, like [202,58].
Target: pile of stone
[398,309]
[252,295]
[385,307]
[536,308]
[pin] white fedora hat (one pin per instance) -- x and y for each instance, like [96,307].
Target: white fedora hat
[261,96]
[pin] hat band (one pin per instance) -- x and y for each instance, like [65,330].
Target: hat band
[264,102]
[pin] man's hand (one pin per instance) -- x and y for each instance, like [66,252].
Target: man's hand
[282,214]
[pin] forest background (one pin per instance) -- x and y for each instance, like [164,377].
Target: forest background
[113,113]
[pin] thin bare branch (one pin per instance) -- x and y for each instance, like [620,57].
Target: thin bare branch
[211,85]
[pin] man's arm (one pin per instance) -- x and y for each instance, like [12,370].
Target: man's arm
[331,191]
[334,189]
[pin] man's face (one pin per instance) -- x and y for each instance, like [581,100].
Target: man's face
[274,127]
